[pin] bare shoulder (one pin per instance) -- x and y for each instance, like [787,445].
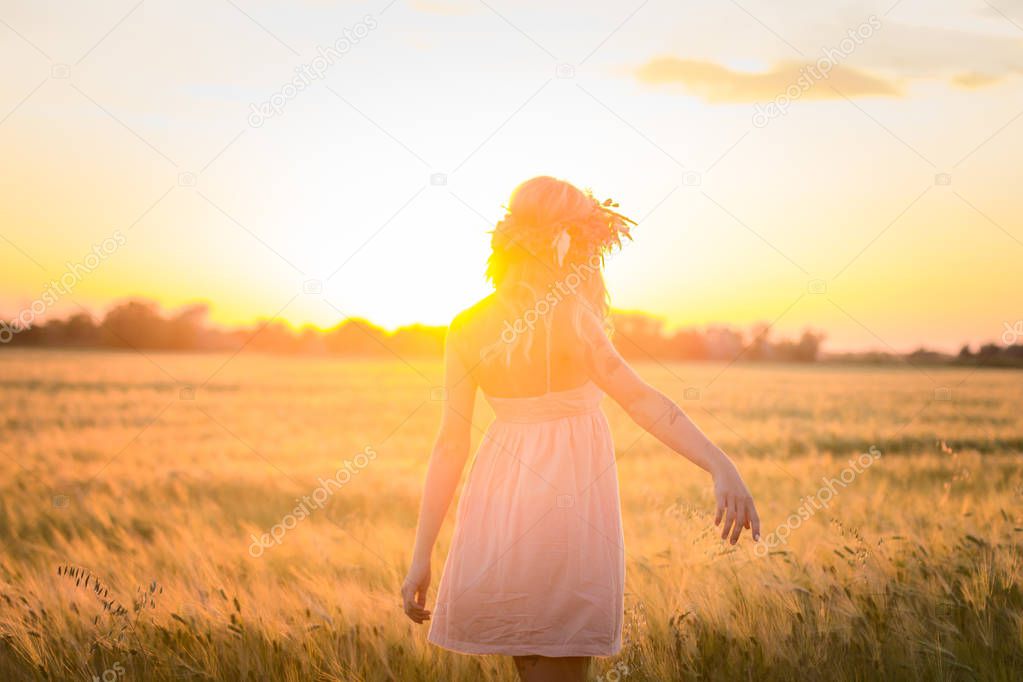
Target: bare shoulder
[471,317]
[603,361]
[592,328]
[465,327]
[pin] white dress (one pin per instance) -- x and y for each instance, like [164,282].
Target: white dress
[537,562]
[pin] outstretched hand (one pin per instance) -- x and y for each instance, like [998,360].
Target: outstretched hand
[735,506]
[413,593]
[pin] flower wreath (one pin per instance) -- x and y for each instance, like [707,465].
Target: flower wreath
[574,240]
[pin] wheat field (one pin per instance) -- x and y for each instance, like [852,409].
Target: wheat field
[133,487]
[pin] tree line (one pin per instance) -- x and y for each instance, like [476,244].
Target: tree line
[142,325]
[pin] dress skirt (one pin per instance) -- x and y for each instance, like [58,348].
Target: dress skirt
[537,560]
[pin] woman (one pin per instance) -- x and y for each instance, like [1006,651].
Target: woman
[536,567]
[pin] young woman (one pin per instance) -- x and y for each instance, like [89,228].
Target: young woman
[536,568]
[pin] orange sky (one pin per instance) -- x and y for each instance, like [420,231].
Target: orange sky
[893,181]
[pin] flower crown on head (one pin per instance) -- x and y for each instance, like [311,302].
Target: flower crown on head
[574,240]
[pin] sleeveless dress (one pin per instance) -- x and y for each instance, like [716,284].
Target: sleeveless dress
[537,560]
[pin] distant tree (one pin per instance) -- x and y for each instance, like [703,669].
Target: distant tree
[80,330]
[925,356]
[141,324]
[185,330]
[134,324]
[356,337]
[272,337]
[418,340]
[809,346]
[637,335]
[988,350]
[759,346]
[687,345]
[723,343]
[311,342]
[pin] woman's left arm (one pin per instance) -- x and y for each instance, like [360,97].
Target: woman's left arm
[447,461]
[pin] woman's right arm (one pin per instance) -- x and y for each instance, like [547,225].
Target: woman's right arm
[447,460]
[665,420]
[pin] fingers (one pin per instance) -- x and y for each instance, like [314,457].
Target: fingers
[730,514]
[754,521]
[417,615]
[740,521]
[742,513]
[414,602]
[738,512]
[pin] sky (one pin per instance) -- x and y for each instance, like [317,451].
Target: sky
[851,168]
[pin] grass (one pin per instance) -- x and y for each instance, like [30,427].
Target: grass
[127,509]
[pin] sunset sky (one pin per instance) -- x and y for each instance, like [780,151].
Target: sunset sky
[894,180]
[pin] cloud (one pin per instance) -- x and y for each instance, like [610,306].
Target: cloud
[973,80]
[953,44]
[716,83]
[945,53]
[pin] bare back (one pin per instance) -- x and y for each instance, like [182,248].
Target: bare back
[521,354]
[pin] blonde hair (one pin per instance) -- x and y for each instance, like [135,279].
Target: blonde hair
[554,237]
